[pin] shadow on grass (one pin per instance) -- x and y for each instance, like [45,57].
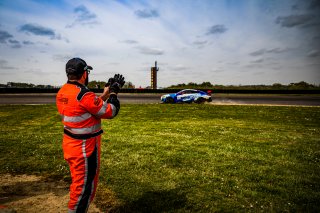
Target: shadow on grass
[156,202]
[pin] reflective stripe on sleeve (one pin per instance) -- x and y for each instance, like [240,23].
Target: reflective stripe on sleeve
[103,109]
[80,118]
[114,110]
[86,130]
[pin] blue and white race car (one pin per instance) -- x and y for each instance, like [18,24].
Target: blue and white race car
[187,96]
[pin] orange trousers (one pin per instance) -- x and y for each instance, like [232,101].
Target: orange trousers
[83,157]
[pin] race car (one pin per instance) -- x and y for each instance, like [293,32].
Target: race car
[187,96]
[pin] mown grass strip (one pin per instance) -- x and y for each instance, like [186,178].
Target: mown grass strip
[182,158]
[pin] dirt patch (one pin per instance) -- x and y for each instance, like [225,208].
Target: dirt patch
[30,193]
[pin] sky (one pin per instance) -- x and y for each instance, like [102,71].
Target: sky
[228,42]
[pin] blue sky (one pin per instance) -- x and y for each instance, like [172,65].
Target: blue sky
[221,41]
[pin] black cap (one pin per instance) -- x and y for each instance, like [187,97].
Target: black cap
[77,66]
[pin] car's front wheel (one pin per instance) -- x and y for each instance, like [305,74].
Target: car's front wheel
[169,100]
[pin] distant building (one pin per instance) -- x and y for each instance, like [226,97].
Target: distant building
[154,71]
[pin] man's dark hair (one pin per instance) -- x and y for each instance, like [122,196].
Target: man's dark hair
[74,77]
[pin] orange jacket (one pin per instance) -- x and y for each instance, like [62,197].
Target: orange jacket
[81,111]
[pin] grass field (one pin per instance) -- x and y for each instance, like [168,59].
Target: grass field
[182,158]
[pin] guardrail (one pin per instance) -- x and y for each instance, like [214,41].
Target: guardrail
[233,91]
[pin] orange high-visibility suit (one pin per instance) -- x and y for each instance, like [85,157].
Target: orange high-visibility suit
[81,111]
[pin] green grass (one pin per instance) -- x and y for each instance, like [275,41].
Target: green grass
[182,158]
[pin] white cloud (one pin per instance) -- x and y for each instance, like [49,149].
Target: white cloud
[313,53]
[83,16]
[294,20]
[150,51]
[147,13]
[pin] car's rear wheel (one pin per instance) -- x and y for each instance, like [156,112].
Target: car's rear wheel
[169,100]
[200,100]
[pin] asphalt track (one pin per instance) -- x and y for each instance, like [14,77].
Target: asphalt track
[217,99]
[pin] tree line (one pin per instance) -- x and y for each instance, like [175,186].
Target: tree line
[91,85]
[101,84]
[276,86]
[26,85]
[205,85]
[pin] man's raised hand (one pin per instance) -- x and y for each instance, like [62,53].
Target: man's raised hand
[120,79]
[115,83]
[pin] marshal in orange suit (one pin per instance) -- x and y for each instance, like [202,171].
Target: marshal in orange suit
[81,112]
